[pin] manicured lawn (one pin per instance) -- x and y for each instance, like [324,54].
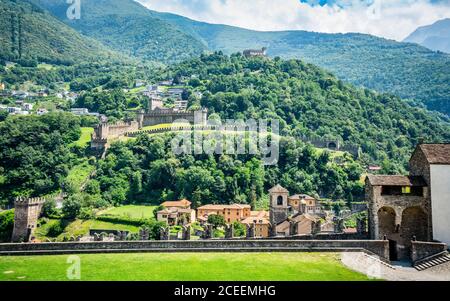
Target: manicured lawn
[183,266]
[132,211]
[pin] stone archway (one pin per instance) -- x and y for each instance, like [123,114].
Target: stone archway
[332,145]
[386,222]
[414,223]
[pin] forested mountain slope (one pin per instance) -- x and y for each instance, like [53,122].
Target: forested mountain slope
[407,70]
[435,36]
[28,33]
[128,27]
[310,101]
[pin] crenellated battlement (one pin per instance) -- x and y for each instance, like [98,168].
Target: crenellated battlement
[26,214]
[29,201]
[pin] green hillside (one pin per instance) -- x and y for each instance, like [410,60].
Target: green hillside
[310,101]
[128,27]
[407,70]
[28,33]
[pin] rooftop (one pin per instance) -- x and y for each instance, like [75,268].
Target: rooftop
[301,197]
[223,207]
[278,188]
[436,153]
[180,203]
[377,180]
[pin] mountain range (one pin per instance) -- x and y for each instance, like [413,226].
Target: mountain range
[405,69]
[435,36]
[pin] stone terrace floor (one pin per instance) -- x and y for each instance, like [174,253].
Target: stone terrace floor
[401,271]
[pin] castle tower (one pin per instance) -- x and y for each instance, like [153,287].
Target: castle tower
[26,214]
[279,207]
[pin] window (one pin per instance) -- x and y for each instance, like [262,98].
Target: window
[280,200]
[406,190]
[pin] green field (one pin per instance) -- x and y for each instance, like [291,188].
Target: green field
[131,211]
[183,267]
[79,174]
[85,137]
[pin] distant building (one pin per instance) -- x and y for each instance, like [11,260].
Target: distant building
[231,213]
[181,105]
[28,106]
[255,52]
[182,204]
[2,86]
[139,83]
[79,111]
[293,215]
[176,213]
[260,221]
[14,110]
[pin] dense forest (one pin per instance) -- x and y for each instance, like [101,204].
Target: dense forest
[29,34]
[309,101]
[36,153]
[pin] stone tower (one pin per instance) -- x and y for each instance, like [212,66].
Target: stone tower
[26,214]
[279,208]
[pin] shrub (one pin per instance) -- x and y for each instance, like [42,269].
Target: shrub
[71,207]
[49,208]
[6,225]
[55,230]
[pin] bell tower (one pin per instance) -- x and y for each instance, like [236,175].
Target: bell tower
[279,207]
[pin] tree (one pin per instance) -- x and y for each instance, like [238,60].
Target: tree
[216,220]
[71,207]
[239,229]
[49,208]
[6,225]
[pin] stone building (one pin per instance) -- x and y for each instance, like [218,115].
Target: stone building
[177,213]
[416,206]
[259,220]
[293,215]
[26,214]
[231,213]
[432,162]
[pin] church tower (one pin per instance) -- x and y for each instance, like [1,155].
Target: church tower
[279,207]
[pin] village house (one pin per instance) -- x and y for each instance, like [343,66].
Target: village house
[176,213]
[294,215]
[299,224]
[260,222]
[303,203]
[416,206]
[231,213]
[2,86]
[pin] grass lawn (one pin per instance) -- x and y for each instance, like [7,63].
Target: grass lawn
[80,227]
[183,266]
[85,137]
[132,211]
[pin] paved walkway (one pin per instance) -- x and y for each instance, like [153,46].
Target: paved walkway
[401,271]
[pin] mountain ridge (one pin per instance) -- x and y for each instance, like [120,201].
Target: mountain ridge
[435,36]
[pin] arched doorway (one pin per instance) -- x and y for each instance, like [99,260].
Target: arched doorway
[387,226]
[332,145]
[414,223]
[386,222]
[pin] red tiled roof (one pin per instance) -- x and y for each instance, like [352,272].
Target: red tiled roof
[223,207]
[180,203]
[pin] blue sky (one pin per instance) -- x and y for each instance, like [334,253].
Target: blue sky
[393,19]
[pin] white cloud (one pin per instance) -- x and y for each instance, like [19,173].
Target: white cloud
[393,19]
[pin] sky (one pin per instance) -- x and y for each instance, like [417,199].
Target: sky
[392,19]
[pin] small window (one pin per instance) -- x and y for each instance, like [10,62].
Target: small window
[406,190]
[280,201]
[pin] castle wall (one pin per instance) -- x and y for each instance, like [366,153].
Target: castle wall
[380,248]
[26,214]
